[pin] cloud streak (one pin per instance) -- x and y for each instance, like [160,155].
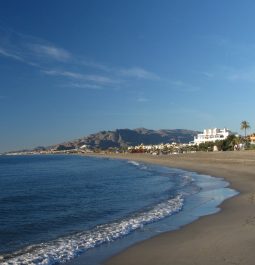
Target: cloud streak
[99,79]
[142,100]
[183,86]
[85,86]
[5,53]
[247,75]
[208,75]
[138,72]
[27,48]
[56,61]
[50,51]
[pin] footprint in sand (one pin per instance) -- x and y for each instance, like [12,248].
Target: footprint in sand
[252,198]
[250,221]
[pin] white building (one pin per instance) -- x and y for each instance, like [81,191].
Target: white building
[212,135]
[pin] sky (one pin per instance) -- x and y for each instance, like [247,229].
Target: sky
[71,68]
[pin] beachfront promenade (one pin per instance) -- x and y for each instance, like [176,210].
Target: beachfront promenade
[227,237]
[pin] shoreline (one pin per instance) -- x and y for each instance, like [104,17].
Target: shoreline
[226,237]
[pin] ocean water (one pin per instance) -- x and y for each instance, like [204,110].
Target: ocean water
[54,209]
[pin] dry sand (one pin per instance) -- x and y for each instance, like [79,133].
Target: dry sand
[227,237]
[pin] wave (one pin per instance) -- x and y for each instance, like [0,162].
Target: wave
[134,163]
[187,180]
[66,248]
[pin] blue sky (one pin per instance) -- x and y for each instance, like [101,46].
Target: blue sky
[71,68]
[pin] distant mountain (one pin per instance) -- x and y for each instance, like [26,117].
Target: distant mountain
[128,137]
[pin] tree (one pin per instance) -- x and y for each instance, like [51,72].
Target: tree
[220,145]
[228,144]
[207,146]
[244,126]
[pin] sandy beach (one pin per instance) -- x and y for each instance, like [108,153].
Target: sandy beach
[227,237]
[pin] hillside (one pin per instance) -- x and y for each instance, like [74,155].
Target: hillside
[128,137]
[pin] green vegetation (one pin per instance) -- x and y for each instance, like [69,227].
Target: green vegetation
[231,143]
[244,126]
[206,147]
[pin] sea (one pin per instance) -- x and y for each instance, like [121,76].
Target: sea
[70,209]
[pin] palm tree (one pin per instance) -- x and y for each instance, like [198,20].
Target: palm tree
[244,126]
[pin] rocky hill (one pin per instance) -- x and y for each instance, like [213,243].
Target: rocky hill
[128,137]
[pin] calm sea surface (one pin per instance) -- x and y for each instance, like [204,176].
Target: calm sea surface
[55,208]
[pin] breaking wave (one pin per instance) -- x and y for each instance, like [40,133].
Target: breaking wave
[66,248]
[134,163]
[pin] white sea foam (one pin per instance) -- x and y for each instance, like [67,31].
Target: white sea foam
[187,179]
[133,163]
[66,248]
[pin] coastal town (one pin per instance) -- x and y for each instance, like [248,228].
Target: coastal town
[211,139]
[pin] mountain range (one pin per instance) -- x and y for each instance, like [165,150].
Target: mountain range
[127,137]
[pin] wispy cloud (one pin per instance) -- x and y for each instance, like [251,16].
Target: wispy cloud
[142,100]
[52,60]
[208,75]
[85,85]
[63,73]
[138,72]
[178,83]
[85,77]
[183,86]
[50,51]
[237,74]
[30,50]
[133,72]
[6,53]
[101,79]
[98,66]
[246,75]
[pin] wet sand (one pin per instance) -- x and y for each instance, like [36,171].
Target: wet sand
[227,237]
